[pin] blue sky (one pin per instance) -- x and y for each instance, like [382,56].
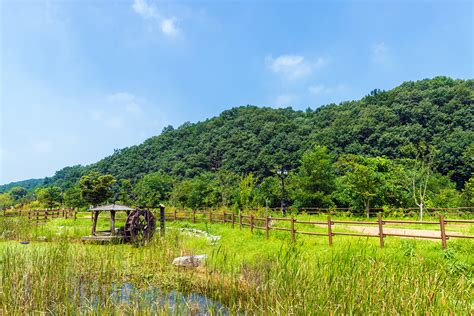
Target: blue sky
[82,78]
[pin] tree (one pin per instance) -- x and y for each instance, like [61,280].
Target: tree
[246,191]
[421,173]
[314,181]
[5,200]
[268,192]
[125,192]
[49,196]
[96,188]
[17,193]
[468,193]
[200,191]
[368,182]
[153,189]
[72,198]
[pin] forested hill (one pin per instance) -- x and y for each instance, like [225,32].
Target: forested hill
[402,122]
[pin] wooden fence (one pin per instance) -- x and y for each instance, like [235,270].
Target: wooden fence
[269,223]
[39,216]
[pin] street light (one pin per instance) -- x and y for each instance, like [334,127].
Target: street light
[282,173]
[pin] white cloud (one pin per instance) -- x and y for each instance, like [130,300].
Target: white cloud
[169,27]
[380,52]
[150,11]
[293,66]
[144,9]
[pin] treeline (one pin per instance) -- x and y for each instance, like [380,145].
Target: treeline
[429,122]
[320,181]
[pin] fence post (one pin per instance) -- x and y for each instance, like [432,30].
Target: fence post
[381,236]
[443,230]
[75,213]
[223,217]
[251,223]
[29,215]
[63,212]
[210,216]
[292,229]
[329,230]
[162,220]
[194,216]
[46,214]
[233,219]
[175,216]
[240,219]
[266,226]
[37,216]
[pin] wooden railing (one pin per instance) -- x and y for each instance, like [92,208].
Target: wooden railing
[39,216]
[292,226]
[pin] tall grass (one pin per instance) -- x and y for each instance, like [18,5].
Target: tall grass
[244,272]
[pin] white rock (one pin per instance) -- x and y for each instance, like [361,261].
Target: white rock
[189,261]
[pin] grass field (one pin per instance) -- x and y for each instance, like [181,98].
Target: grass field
[244,273]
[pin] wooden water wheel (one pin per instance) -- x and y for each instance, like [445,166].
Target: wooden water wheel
[140,226]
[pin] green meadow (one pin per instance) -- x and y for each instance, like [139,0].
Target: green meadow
[244,273]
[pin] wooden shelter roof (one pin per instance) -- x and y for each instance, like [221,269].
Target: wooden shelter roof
[112,207]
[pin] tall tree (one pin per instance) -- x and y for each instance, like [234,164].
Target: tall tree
[17,193]
[314,181]
[96,188]
[153,189]
[72,198]
[49,196]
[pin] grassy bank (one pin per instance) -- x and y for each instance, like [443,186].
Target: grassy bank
[244,271]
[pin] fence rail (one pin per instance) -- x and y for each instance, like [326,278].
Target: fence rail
[269,223]
[40,216]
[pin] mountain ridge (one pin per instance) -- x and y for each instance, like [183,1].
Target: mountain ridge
[397,123]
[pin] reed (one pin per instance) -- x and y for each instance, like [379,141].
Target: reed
[244,272]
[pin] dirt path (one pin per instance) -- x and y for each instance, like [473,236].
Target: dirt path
[420,233]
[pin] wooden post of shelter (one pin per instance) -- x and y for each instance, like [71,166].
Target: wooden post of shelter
[329,230]
[94,222]
[381,236]
[443,230]
[112,223]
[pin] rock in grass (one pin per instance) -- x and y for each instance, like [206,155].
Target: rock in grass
[189,261]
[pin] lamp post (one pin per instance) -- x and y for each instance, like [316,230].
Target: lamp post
[282,173]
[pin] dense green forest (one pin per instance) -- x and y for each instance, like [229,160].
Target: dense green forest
[377,151]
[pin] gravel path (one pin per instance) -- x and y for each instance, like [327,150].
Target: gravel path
[401,231]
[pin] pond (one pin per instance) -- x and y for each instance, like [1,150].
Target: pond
[157,300]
